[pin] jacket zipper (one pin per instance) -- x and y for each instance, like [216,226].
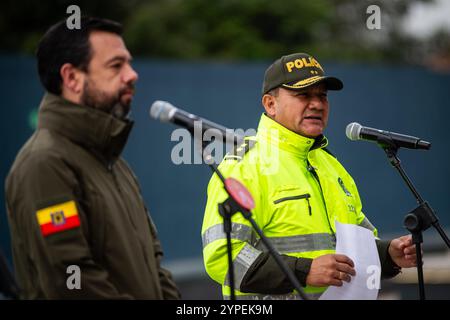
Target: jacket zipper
[309,206]
[305,196]
[111,171]
[314,173]
[119,189]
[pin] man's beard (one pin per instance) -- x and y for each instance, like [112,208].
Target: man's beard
[109,103]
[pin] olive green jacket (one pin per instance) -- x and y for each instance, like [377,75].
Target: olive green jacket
[71,169]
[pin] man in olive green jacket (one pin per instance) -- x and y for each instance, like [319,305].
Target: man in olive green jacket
[79,225]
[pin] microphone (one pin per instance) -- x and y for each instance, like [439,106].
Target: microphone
[355,131]
[166,112]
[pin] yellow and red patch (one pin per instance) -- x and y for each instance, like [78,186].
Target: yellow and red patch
[57,218]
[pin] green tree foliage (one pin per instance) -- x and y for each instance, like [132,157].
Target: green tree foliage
[22,23]
[225,29]
[230,29]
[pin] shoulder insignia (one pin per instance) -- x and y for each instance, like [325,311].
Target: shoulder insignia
[239,151]
[344,188]
[57,218]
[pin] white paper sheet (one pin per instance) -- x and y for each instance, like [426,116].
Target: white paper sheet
[358,244]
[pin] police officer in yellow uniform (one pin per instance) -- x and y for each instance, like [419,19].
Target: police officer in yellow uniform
[79,226]
[300,189]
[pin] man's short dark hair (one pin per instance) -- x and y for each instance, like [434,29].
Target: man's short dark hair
[274,92]
[62,45]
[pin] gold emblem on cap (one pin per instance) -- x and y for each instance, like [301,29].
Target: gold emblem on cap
[303,83]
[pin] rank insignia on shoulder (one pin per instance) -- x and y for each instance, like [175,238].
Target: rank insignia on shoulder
[57,218]
[341,183]
[239,151]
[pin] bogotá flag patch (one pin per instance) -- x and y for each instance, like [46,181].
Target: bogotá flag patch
[57,218]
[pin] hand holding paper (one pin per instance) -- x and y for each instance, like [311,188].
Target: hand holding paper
[359,245]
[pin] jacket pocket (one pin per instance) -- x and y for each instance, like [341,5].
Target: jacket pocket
[305,196]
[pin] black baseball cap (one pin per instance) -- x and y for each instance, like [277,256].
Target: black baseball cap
[297,71]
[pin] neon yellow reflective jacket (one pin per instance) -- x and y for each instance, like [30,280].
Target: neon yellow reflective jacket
[299,189]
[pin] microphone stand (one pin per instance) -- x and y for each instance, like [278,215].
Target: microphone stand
[236,202]
[419,219]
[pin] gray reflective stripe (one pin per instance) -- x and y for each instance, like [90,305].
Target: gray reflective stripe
[302,243]
[238,231]
[366,224]
[289,296]
[242,263]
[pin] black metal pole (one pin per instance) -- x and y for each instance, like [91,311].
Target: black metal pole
[441,232]
[248,215]
[278,259]
[427,212]
[225,212]
[419,220]
[412,221]
[227,226]
[395,161]
[420,271]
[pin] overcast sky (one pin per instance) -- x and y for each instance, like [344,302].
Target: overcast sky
[424,19]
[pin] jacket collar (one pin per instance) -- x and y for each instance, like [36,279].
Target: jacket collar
[95,130]
[274,133]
